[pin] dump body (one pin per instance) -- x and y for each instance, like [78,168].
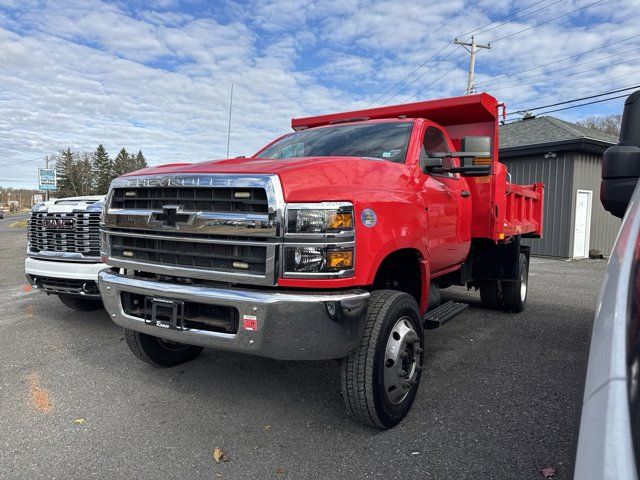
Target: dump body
[500,208]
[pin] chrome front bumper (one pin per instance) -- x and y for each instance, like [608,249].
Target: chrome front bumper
[290,325]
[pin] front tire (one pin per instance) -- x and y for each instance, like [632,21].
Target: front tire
[381,377]
[80,303]
[158,352]
[515,293]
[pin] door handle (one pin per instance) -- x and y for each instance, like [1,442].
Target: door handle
[465,193]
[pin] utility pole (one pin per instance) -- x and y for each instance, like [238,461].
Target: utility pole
[472,48]
[229,130]
[46,165]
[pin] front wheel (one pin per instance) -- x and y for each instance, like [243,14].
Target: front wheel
[381,377]
[159,352]
[81,303]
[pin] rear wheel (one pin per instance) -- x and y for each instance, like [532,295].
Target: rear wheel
[81,303]
[491,294]
[380,379]
[515,293]
[159,352]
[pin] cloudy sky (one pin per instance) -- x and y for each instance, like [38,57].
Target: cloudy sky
[157,75]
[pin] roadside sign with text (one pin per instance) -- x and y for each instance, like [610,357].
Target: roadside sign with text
[47,179]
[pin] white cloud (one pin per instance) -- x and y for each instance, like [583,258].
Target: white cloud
[82,72]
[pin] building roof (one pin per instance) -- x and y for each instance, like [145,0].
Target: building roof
[549,132]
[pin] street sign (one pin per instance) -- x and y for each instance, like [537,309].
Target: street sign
[47,179]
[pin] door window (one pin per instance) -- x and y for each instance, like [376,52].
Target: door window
[434,142]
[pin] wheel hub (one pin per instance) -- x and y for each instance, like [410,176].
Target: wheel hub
[523,285]
[401,360]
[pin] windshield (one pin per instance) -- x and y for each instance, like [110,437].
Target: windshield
[386,141]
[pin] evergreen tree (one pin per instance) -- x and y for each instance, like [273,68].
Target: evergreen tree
[140,161]
[64,171]
[122,163]
[103,171]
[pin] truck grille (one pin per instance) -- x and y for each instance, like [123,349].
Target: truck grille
[65,233]
[193,199]
[211,256]
[213,227]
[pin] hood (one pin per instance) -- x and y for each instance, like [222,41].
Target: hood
[305,179]
[86,203]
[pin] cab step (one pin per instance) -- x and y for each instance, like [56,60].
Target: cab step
[440,315]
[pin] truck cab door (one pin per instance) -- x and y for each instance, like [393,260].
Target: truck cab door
[448,204]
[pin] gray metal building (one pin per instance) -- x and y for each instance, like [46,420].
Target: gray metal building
[567,158]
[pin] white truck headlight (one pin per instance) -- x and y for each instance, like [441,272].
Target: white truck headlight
[319,218]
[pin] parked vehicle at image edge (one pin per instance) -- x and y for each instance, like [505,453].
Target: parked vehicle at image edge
[63,253]
[329,243]
[609,439]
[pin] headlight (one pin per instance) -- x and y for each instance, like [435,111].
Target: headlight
[320,218]
[311,259]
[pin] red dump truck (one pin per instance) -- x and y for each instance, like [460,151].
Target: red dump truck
[332,242]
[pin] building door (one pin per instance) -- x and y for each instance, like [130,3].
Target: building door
[582,227]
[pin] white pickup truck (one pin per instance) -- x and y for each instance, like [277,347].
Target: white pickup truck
[63,253]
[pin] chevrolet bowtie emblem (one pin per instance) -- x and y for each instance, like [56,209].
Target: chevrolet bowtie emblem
[172,215]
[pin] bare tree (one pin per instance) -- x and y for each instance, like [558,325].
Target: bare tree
[608,124]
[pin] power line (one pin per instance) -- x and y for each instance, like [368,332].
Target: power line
[377,99]
[399,82]
[520,112]
[559,60]
[500,82]
[598,82]
[436,80]
[39,159]
[567,75]
[546,21]
[500,19]
[523,16]
[420,76]
[584,104]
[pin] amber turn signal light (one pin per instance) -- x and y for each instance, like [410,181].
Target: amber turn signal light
[340,220]
[482,161]
[339,259]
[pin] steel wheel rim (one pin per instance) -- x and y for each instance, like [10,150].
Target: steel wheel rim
[523,285]
[401,360]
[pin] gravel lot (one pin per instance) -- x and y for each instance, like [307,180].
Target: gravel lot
[499,398]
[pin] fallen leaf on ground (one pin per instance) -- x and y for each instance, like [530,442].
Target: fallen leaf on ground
[79,421]
[219,455]
[267,428]
[547,472]
[27,288]
[279,470]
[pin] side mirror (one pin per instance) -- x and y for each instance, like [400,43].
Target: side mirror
[621,163]
[431,164]
[475,157]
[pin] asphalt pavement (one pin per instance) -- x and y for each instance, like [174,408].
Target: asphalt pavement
[499,397]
